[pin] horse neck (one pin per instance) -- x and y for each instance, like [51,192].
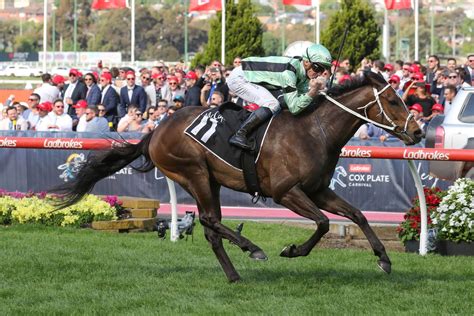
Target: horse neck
[340,126]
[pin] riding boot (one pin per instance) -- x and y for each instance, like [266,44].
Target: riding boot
[255,119]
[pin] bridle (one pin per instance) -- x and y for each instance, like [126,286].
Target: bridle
[382,112]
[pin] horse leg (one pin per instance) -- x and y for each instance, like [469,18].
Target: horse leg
[297,201]
[216,244]
[206,193]
[331,202]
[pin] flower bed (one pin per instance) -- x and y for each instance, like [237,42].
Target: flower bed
[16,207]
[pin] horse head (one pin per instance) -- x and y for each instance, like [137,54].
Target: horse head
[373,100]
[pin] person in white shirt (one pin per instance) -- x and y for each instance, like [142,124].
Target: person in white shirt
[44,120]
[60,121]
[80,122]
[13,122]
[47,92]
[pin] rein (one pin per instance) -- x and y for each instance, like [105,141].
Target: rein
[365,107]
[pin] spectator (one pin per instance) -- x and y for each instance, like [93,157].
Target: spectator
[463,78]
[449,94]
[58,81]
[406,74]
[33,116]
[237,61]
[79,123]
[439,83]
[149,88]
[44,120]
[161,108]
[394,81]
[436,110]
[159,83]
[417,111]
[153,120]
[93,95]
[216,99]
[372,131]
[59,120]
[110,99]
[22,109]
[131,94]
[470,69]
[217,83]
[131,122]
[93,122]
[173,89]
[452,63]
[101,110]
[47,91]
[13,122]
[433,66]
[178,101]
[74,91]
[388,71]
[398,68]
[171,111]
[377,66]
[193,90]
[420,96]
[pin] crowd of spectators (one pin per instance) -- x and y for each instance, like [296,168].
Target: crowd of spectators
[126,100]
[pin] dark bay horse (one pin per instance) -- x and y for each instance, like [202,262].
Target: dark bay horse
[295,166]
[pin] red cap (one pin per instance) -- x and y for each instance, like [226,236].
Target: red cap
[344,78]
[75,72]
[394,78]
[158,75]
[417,107]
[106,76]
[191,75]
[172,78]
[418,76]
[437,107]
[96,75]
[45,106]
[388,67]
[81,104]
[57,79]
[416,67]
[251,107]
[131,73]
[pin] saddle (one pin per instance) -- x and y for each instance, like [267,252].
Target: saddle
[213,129]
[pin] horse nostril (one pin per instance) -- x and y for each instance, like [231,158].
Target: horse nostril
[419,134]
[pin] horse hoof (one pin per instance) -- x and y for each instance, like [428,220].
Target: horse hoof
[385,266]
[234,279]
[258,255]
[288,251]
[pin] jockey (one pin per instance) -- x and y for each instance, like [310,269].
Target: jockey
[294,77]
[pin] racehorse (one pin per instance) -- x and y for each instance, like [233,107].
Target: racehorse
[295,165]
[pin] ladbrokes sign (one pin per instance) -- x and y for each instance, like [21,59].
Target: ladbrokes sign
[62,143]
[6,142]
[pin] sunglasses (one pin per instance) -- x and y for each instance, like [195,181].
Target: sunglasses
[72,75]
[162,106]
[130,78]
[101,110]
[317,68]
[138,114]
[59,106]
[146,78]
[452,77]
[392,82]
[173,83]
[31,99]
[88,113]
[431,61]
[87,79]
[151,112]
[471,60]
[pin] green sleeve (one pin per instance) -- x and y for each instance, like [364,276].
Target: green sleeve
[297,103]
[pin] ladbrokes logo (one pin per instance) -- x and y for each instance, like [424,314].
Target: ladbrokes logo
[360,153]
[6,142]
[420,154]
[365,168]
[58,143]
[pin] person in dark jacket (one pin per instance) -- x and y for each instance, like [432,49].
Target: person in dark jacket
[132,94]
[193,92]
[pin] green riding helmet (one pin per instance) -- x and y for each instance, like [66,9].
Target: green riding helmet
[319,55]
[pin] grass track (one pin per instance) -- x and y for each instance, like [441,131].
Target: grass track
[68,271]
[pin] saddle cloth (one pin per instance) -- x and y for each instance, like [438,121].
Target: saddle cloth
[214,127]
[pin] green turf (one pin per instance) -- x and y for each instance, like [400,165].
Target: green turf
[68,271]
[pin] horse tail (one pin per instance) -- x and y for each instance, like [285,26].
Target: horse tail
[100,165]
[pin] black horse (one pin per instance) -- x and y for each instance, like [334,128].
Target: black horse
[295,167]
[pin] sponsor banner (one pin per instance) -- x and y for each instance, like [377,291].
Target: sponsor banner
[369,184]
[82,57]
[19,56]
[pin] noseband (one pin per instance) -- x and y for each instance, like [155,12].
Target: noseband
[365,107]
